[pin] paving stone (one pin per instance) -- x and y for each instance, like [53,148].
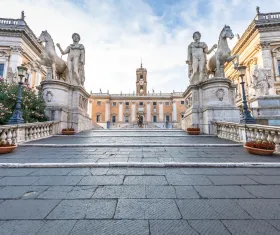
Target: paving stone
[102,180]
[268,171]
[209,227]
[223,192]
[111,227]
[16,172]
[58,180]
[171,227]
[200,171]
[25,180]
[211,209]
[125,171]
[147,209]
[60,227]
[26,209]
[261,208]
[68,192]
[238,171]
[21,227]
[160,192]
[52,171]
[145,180]
[186,192]
[89,171]
[188,180]
[264,191]
[120,192]
[266,179]
[84,209]
[24,192]
[231,180]
[275,223]
[250,227]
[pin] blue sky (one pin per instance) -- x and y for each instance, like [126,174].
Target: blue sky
[117,33]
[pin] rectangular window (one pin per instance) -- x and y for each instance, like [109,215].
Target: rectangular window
[167,103]
[154,103]
[126,119]
[97,118]
[1,70]
[182,102]
[182,116]
[126,103]
[113,119]
[278,63]
[154,118]
[98,102]
[167,118]
[114,104]
[141,103]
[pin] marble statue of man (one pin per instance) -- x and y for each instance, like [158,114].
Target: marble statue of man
[197,59]
[75,60]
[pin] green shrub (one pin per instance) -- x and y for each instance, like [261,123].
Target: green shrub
[32,105]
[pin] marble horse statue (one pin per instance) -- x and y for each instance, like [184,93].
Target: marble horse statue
[216,63]
[49,58]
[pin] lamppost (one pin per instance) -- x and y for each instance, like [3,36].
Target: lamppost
[247,117]
[17,115]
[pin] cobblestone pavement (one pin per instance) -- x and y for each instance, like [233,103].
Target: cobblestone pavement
[144,201]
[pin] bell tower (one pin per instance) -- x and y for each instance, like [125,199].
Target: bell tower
[141,81]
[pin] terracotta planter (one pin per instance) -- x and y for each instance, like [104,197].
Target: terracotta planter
[259,151]
[7,149]
[193,132]
[68,132]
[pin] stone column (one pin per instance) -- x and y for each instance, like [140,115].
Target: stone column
[133,108]
[161,112]
[148,111]
[16,57]
[120,112]
[107,111]
[174,112]
[266,58]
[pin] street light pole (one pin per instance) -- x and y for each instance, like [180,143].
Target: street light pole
[17,115]
[247,117]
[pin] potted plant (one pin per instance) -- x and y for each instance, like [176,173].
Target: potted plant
[260,147]
[6,148]
[68,131]
[193,131]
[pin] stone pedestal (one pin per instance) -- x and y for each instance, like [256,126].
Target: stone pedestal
[210,101]
[266,109]
[68,104]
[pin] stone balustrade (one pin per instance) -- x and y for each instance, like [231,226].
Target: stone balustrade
[29,131]
[250,132]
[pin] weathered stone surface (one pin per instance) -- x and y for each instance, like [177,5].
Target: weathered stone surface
[120,192]
[188,180]
[84,209]
[24,192]
[147,209]
[102,180]
[145,180]
[231,180]
[264,191]
[223,192]
[171,227]
[209,227]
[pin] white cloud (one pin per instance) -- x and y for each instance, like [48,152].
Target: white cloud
[117,35]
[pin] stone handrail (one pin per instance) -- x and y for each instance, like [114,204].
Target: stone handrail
[268,16]
[29,131]
[134,94]
[250,132]
[9,21]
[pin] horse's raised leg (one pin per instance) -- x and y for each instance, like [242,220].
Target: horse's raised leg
[217,73]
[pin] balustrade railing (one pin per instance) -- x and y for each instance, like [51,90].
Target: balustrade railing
[249,132]
[29,131]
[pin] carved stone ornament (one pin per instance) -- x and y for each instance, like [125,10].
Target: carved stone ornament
[16,49]
[4,54]
[220,93]
[49,96]
[83,101]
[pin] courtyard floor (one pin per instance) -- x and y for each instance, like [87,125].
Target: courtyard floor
[130,200]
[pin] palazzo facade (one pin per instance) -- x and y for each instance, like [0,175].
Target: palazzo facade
[121,110]
[19,45]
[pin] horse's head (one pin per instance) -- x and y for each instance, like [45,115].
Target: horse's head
[227,32]
[44,37]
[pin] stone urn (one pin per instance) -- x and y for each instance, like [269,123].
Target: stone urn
[7,149]
[193,131]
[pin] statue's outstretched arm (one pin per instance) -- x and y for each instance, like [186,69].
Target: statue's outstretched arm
[62,51]
[209,51]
